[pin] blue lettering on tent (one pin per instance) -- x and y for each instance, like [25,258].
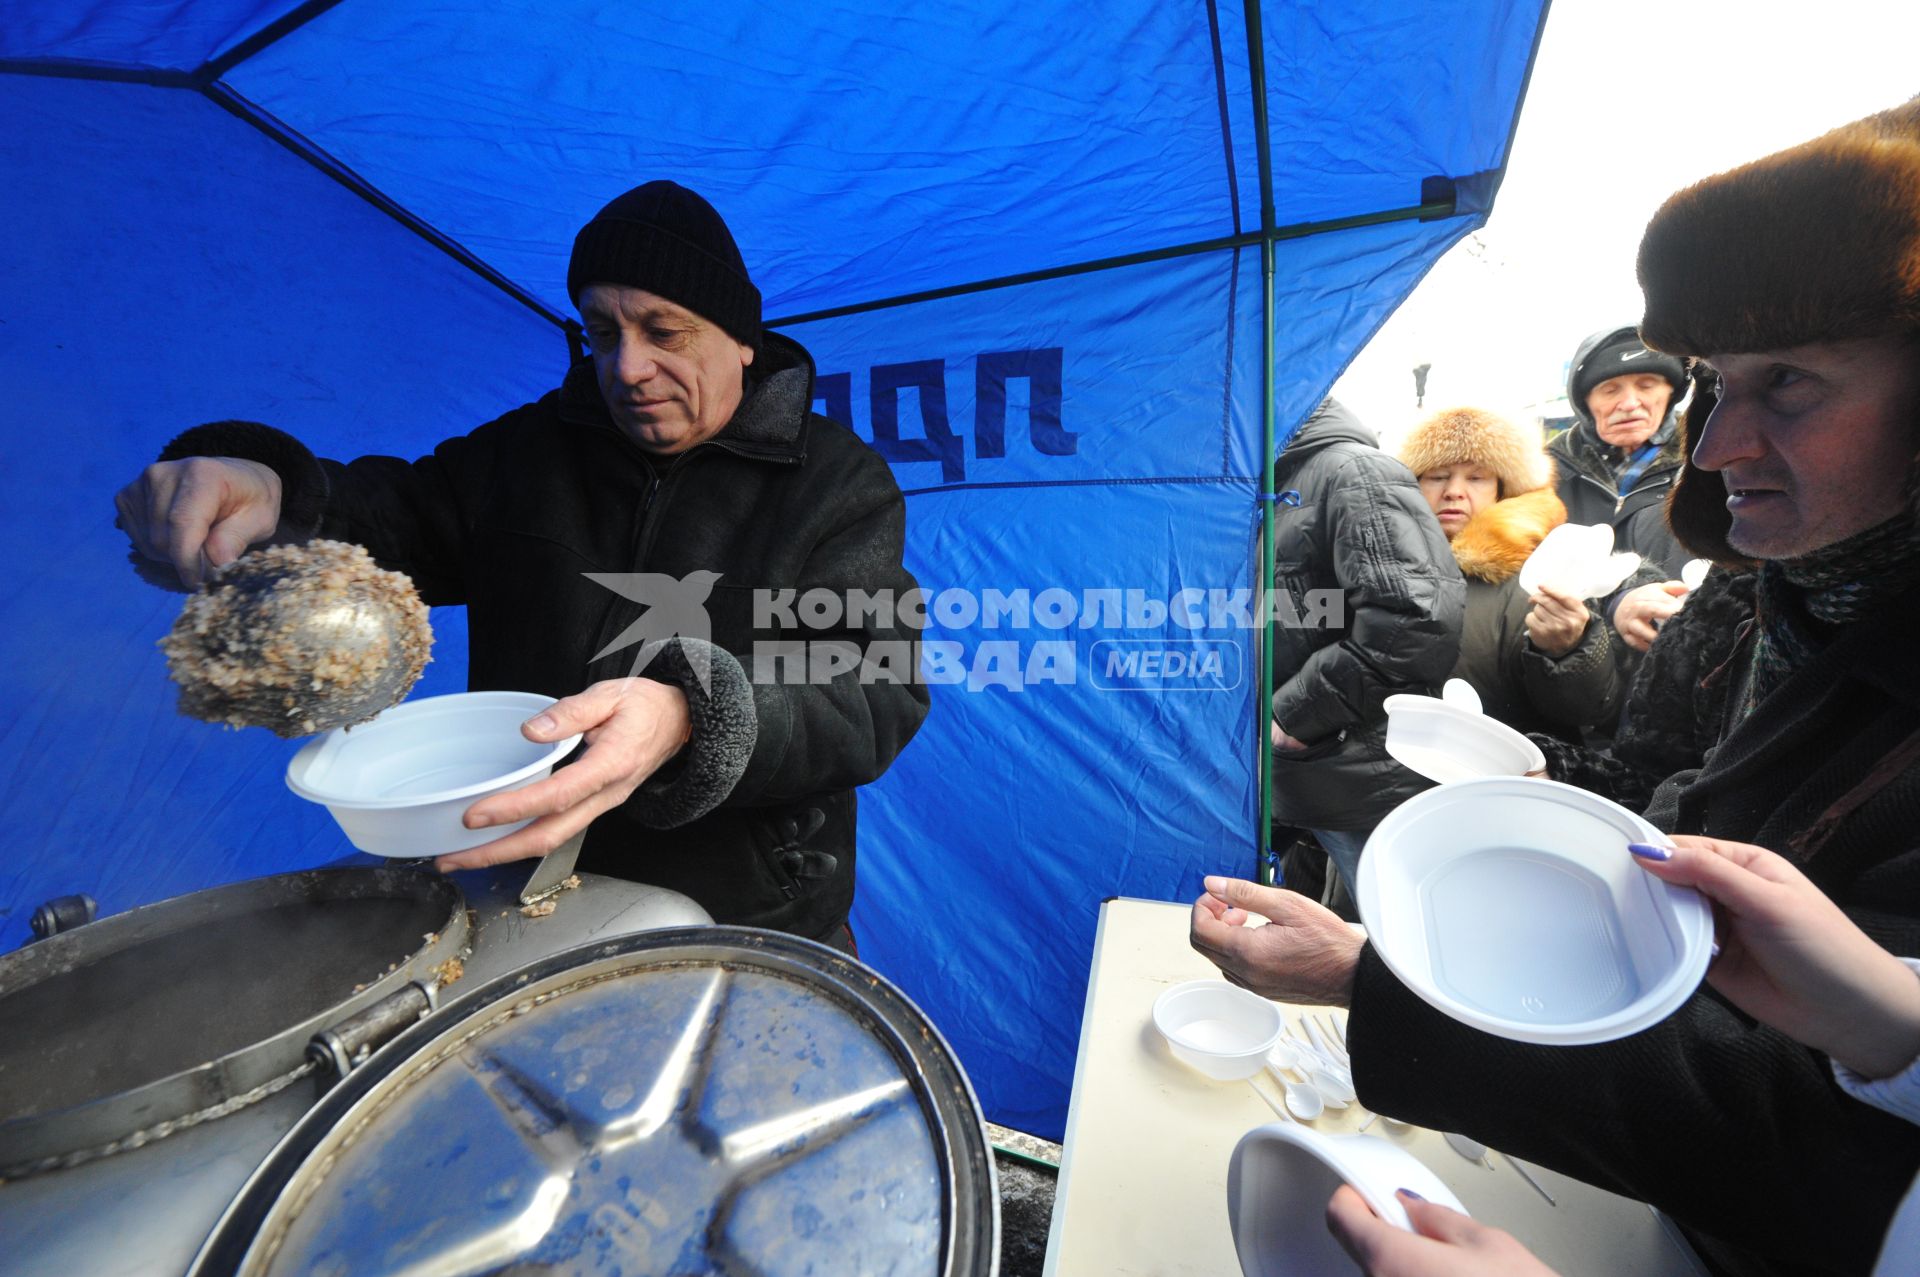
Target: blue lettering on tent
[834,394]
[938,443]
[1041,368]
[925,380]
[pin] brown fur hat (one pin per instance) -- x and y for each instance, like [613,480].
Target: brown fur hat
[1456,435]
[1820,242]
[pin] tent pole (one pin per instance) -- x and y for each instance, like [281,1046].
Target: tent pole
[1267,865]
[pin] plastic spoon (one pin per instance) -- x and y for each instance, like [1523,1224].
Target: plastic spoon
[1268,1101]
[1333,1088]
[1303,1101]
[1472,1150]
[1324,1042]
[1327,1079]
[1526,1175]
[1460,694]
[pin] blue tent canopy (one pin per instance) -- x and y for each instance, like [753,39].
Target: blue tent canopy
[1070,277]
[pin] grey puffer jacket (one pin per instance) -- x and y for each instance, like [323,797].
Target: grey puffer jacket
[755,817]
[1351,519]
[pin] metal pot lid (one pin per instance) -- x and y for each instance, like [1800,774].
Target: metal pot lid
[129,1028]
[696,1100]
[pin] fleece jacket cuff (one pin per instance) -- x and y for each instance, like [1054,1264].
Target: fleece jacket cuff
[720,703]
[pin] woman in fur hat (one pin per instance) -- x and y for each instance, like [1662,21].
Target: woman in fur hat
[1541,663]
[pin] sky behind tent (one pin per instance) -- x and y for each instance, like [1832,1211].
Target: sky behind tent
[1630,101]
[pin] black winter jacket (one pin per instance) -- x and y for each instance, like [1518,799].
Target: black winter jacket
[1732,1127]
[1351,519]
[755,818]
[1677,703]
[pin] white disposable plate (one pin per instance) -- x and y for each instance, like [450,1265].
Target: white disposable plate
[1513,905]
[400,785]
[1446,742]
[1278,1183]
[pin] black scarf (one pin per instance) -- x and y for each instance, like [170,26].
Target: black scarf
[1802,604]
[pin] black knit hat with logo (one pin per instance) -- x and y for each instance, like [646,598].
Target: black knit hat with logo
[664,238]
[1619,354]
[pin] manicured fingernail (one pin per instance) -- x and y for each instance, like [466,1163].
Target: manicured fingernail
[1411,1195]
[1647,851]
[543,723]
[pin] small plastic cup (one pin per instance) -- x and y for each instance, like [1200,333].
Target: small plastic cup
[1278,1183]
[1218,1028]
[399,785]
[1513,905]
[1448,743]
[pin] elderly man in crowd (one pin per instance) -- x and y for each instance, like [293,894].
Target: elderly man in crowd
[1796,281]
[1618,461]
[684,456]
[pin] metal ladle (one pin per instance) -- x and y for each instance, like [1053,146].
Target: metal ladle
[298,639]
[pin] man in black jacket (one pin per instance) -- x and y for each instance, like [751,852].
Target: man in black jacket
[1617,462]
[683,460]
[1352,522]
[1795,280]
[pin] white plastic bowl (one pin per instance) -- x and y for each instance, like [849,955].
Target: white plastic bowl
[1219,1028]
[1446,742]
[1513,905]
[400,784]
[1578,559]
[1278,1183]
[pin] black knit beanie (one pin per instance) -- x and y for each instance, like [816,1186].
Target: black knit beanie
[665,239]
[1622,354]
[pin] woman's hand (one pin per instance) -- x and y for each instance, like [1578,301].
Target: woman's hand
[1790,957]
[1445,1243]
[1557,621]
[632,726]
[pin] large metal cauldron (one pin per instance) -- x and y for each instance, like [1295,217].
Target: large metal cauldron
[149,1061]
[696,1101]
[220,1074]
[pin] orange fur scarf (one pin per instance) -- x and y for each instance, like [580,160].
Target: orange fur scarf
[1498,540]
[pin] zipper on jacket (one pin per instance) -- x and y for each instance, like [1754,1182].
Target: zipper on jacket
[648,525]
[657,496]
